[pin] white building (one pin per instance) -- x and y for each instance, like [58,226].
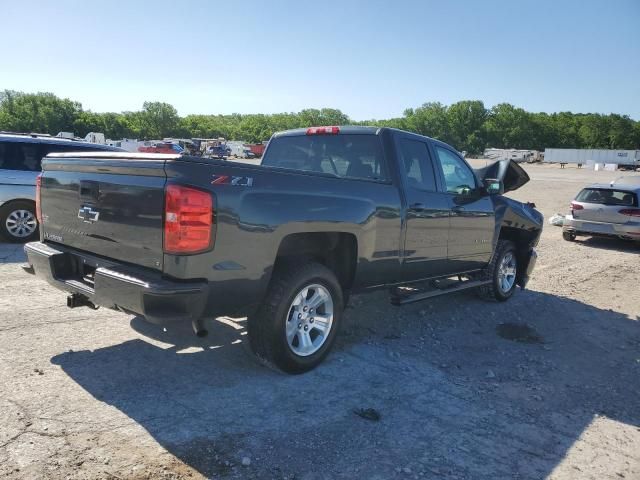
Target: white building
[592,156]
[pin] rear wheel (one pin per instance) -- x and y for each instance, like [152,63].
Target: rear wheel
[18,221]
[297,324]
[502,273]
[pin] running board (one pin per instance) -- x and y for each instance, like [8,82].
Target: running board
[405,298]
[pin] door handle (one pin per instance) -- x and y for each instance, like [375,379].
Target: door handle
[458,209]
[418,206]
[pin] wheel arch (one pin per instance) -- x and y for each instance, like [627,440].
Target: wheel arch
[15,200]
[337,251]
[523,241]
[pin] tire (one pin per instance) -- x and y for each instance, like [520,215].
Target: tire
[568,236]
[18,221]
[496,289]
[279,333]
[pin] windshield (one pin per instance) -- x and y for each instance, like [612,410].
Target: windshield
[608,196]
[355,156]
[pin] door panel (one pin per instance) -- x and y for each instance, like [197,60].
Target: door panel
[470,233]
[427,214]
[472,224]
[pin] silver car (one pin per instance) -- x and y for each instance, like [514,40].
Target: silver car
[20,157]
[606,209]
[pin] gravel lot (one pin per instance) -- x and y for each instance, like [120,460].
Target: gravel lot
[98,394]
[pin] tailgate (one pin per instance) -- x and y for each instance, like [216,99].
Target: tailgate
[108,204]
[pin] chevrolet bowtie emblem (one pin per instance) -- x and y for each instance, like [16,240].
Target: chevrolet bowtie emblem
[88,215]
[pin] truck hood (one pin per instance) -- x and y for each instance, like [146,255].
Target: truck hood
[509,172]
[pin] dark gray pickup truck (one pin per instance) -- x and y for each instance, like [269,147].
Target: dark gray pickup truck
[330,211]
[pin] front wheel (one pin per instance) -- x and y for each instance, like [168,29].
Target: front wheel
[297,324]
[501,272]
[568,236]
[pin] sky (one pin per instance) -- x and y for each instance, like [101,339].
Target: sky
[371,59]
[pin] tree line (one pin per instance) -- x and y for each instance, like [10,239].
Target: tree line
[467,125]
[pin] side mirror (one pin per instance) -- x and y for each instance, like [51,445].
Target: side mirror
[493,186]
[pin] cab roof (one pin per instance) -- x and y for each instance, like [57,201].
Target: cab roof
[344,130]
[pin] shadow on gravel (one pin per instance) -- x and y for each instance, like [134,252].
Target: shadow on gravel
[12,253]
[605,243]
[208,403]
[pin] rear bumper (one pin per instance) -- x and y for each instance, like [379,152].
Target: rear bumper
[116,285]
[629,229]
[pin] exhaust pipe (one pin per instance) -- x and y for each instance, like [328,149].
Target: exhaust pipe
[76,300]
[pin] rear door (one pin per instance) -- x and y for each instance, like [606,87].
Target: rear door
[427,214]
[106,204]
[472,225]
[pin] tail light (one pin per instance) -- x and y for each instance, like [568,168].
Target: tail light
[632,212]
[575,206]
[323,131]
[188,220]
[38,202]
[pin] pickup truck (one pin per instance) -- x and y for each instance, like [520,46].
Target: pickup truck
[330,211]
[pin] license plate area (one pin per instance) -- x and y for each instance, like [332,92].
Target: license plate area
[76,270]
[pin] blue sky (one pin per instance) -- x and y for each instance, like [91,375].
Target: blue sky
[371,59]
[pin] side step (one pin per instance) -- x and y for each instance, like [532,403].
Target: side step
[404,295]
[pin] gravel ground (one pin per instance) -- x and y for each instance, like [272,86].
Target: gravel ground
[544,386]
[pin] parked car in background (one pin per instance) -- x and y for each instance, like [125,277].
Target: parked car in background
[218,151]
[163,147]
[20,156]
[257,149]
[610,210]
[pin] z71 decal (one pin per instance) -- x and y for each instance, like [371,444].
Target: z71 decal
[232,180]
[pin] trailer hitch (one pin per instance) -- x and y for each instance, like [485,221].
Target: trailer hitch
[75,300]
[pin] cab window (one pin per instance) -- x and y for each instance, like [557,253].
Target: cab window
[343,155]
[417,165]
[458,176]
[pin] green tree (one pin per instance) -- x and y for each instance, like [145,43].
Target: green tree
[430,119]
[157,120]
[510,127]
[621,132]
[466,125]
[37,112]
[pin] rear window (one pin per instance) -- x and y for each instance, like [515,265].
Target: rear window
[21,156]
[608,196]
[351,156]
